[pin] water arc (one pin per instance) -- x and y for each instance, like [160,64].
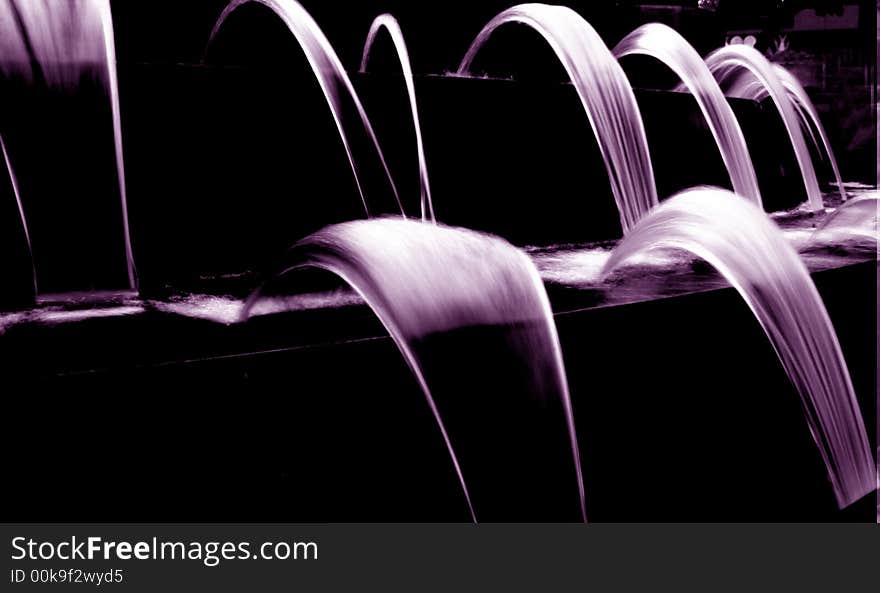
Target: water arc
[748,87]
[51,45]
[390,24]
[331,75]
[855,218]
[496,298]
[669,47]
[605,93]
[728,63]
[750,251]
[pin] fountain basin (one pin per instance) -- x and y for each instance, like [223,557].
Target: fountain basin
[683,414]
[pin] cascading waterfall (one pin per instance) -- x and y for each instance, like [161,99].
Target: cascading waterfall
[728,63]
[605,93]
[665,44]
[52,43]
[390,24]
[748,87]
[744,245]
[401,269]
[330,73]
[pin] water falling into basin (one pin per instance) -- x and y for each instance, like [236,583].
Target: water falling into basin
[728,64]
[665,44]
[744,245]
[331,75]
[470,315]
[605,93]
[55,45]
[748,87]
[390,24]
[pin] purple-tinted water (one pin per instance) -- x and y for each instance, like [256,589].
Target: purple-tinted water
[390,24]
[738,239]
[14,183]
[842,234]
[728,64]
[605,93]
[56,43]
[422,281]
[665,44]
[330,73]
[748,87]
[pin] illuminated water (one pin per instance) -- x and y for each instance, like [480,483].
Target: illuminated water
[605,93]
[13,182]
[389,23]
[400,268]
[331,75]
[45,42]
[729,64]
[450,297]
[747,87]
[665,44]
[842,234]
[753,256]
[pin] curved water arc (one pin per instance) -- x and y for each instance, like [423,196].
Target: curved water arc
[357,285]
[727,62]
[390,24]
[751,88]
[328,69]
[55,44]
[744,245]
[605,94]
[113,89]
[669,47]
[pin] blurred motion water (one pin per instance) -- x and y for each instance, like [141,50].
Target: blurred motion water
[470,315]
[605,93]
[751,253]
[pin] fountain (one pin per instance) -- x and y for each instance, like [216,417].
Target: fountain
[390,24]
[493,311]
[728,64]
[749,87]
[750,252]
[331,75]
[665,44]
[605,93]
[854,219]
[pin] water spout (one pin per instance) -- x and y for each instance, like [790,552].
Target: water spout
[390,24]
[748,87]
[400,268]
[728,64]
[330,73]
[665,44]
[53,42]
[749,250]
[605,93]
